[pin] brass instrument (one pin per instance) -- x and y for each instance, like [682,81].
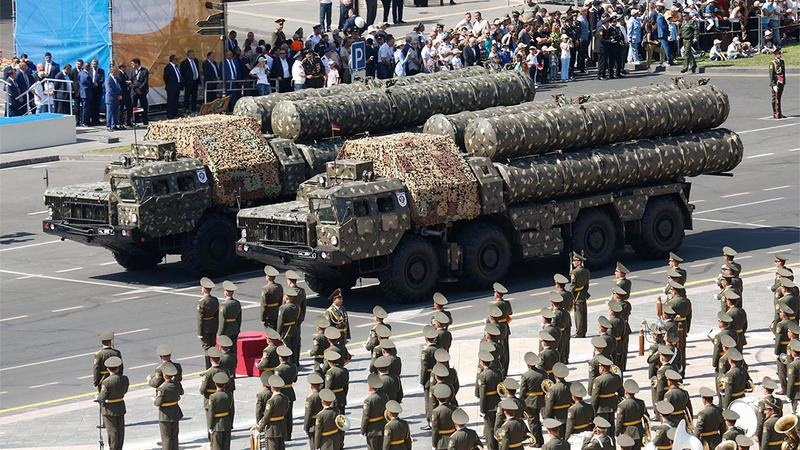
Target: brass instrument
[750,386]
[255,438]
[783,358]
[747,408]
[502,390]
[386,416]
[342,422]
[688,416]
[616,370]
[684,439]
[787,426]
[653,381]
[546,385]
[653,329]
[721,382]
[646,435]
[726,445]
[708,335]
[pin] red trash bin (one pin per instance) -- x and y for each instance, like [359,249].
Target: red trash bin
[250,346]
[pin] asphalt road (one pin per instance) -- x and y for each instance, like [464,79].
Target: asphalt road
[55,297]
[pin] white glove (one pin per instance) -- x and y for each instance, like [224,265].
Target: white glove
[199,337]
[775,88]
[210,431]
[148,378]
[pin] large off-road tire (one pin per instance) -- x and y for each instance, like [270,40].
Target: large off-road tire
[211,248]
[594,236]
[413,271]
[486,254]
[137,261]
[324,285]
[662,229]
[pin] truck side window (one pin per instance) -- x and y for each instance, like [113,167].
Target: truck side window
[361,207]
[160,187]
[385,204]
[186,182]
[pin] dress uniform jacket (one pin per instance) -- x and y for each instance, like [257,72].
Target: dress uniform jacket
[603,441]
[269,358]
[738,325]
[464,439]
[318,346]
[486,390]
[513,433]
[230,318]
[579,418]
[313,407]
[289,324]
[373,343]
[326,435]
[553,331]
[228,362]
[220,404]
[338,318]
[717,353]
[207,386]
[710,425]
[261,402]
[580,283]
[793,380]
[680,401]
[158,378]
[530,391]
[373,420]
[605,395]
[207,316]
[556,401]
[661,383]
[100,371]
[629,419]
[271,298]
[500,417]
[735,384]
[733,432]
[112,392]
[760,408]
[563,321]
[397,435]
[273,422]
[337,379]
[660,439]
[444,338]
[770,439]
[556,443]
[547,359]
[442,425]
[288,373]
[791,300]
[611,344]
[169,412]
[392,387]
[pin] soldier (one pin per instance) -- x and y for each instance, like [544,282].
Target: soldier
[688,34]
[789,297]
[580,293]
[337,315]
[513,431]
[735,379]
[744,442]
[600,346]
[379,314]
[680,304]
[263,395]
[337,379]
[626,442]
[556,441]
[739,316]
[547,326]
[439,302]
[319,344]
[581,414]
[557,399]
[547,357]
[228,362]
[710,424]
[230,314]
[600,436]
[662,439]
[278,38]
[618,331]
[496,317]
[313,406]
[288,373]
[168,393]
[560,285]
[781,332]
[563,321]
[630,416]
[334,337]
[777,80]
[604,329]
[445,373]
[391,385]
[396,433]
[511,386]
[732,431]
[604,391]
[312,67]
[443,337]
[781,273]
[728,254]
[793,374]
[728,270]
[724,323]
[300,299]
[273,424]
[207,384]
[660,385]
[426,367]
[677,397]
[486,392]
[100,371]
[381,333]
[289,320]
[532,394]
[164,352]
[442,426]
[389,350]
[770,439]
[500,302]
[621,296]
[620,274]
[674,263]
[269,356]
[726,278]
[780,263]
[271,298]
[654,357]
[207,317]
[463,438]
[327,436]
[113,388]
[769,386]
[373,420]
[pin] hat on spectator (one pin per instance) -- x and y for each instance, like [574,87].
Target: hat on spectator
[768,32]
[564,36]
[717,41]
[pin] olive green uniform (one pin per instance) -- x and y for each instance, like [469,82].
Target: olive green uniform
[689,34]
[373,420]
[392,387]
[579,418]
[271,298]
[512,433]
[318,346]
[273,425]
[661,383]
[289,326]
[207,323]
[158,378]
[580,294]
[530,390]
[442,425]
[397,435]
[660,439]
[629,420]
[605,396]
[326,435]
[556,443]
[451,380]
[443,339]
[681,404]
[770,439]
[230,319]
[338,319]
[168,394]
[564,323]
[313,407]
[269,358]
[739,325]
[603,441]
[791,300]
[793,382]
[261,402]
[464,439]
[219,420]
[500,416]
[100,372]
[207,388]
[735,385]
[426,367]
[486,392]
[781,343]
[547,359]
[111,398]
[556,401]
[288,373]
[337,379]
[761,407]
[709,425]
[733,432]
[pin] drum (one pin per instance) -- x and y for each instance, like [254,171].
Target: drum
[747,408]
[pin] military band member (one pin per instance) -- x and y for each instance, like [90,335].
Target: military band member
[337,379]
[728,254]
[443,337]
[513,432]
[654,357]
[710,424]
[618,327]
[769,385]
[289,320]
[499,291]
[381,333]
[580,293]
[327,436]
[735,379]
[396,433]
[739,316]
[626,442]
[793,374]
[207,383]
[600,345]
[219,409]
[789,297]
[168,393]
[335,342]
[780,263]
[664,433]
[271,298]
[372,419]
[491,343]
[300,299]
[674,263]
[781,273]
[548,326]
[389,350]
[442,358]
[486,392]
[337,315]
[100,371]
[463,438]
[439,303]
[447,376]
[288,373]
[426,367]
[263,395]
[228,362]
[729,272]
[512,386]
[391,385]
[581,414]
[604,329]
[379,315]
[207,317]
[556,441]
[164,352]
[781,331]
[620,296]
[558,398]
[744,442]
[531,393]
[313,406]
[273,424]
[442,426]
[269,356]
[600,439]
[660,386]
[724,323]
[678,397]
[630,416]
[771,439]
[111,397]
[605,389]
[620,274]
[319,343]
[732,431]
[230,313]
[548,357]
[563,321]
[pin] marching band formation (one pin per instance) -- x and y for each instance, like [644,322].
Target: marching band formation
[602,415]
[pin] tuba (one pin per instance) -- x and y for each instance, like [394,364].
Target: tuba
[616,370]
[787,426]
[342,422]
[546,385]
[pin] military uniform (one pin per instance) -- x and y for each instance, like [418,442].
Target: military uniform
[373,420]
[158,378]
[338,316]
[289,325]
[605,396]
[563,321]
[207,388]
[793,382]
[426,367]
[709,425]
[397,435]
[512,434]
[261,399]
[791,300]
[618,331]
[777,81]
[273,423]
[629,420]
[769,438]
[580,294]
[579,418]
[442,426]
[781,348]
[207,322]
[660,439]
[100,372]
[168,394]
[530,390]
[392,387]
[500,417]
[762,406]
[111,398]
[230,319]
[486,391]
[314,72]
[271,299]
[326,435]
[681,404]
[556,443]
[735,385]
[337,379]
[219,420]
[556,401]
[318,346]
[313,407]
[547,359]
[739,325]
[464,439]
[288,373]
[661,383]
[688,34]
[269,358]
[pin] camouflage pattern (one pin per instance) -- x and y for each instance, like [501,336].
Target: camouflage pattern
[82,202]
[620,165]
[595,123]
[155,150]
[396,106]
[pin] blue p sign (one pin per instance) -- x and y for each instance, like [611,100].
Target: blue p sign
[358,56]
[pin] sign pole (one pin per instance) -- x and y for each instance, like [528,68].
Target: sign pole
[222,39]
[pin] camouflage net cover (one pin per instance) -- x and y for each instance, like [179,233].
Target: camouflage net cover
[440,184]
[260,107]
[620,165]
[595,123]
[234,150]
[398,106]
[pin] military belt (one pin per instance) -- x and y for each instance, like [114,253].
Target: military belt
[771,443]
[784,343]
[103,372]
[565,405]
[578,289]
[709,433]
[375,419]
[287,386]
[534,393]
[429,370]
[632,422]
[796,383]
[164,405]
[580,427]
[209,318]
[450,431]
[737,394]
[562,329]
[230,320]
[275,419]
[397,442]
[607,395]
[676,413]
[286,324]
[549,371]
[223,414]
[211,391]
[518,444]
[617,338]
[271,305]
[319,356]
[314,416]
[491,393]
[337,390]
[328,433]
[266,369]
[115,400]
[680,319]
[663,447]
[503,320]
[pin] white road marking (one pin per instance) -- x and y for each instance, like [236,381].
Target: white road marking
[699,265]
[772,252]
[739,205]
[734,195]
[658,272]
[776,188]
[794,149]
[24,277]
[108,263]
[536,294]
[759,155]
[132,331]
[767,128]
[143,365]
[631,277]
[36,213]
[731,222]
[744,257]
[135,291]
[29,245]
[43,385]
[124,299]
[85,377]
[4,392]
[191,357]
[13,318]
[69,270]
[96,283]
[67,309]
[40,166]
[698,201]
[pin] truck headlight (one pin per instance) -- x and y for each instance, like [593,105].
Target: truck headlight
[334,240]
[49,212]
[244,233]
[133,218]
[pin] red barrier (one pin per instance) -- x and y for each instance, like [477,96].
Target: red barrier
[250,345]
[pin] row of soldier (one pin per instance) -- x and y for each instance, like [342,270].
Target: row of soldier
[330,356]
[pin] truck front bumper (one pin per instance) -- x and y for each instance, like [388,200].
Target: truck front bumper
[100,235]
[292,256]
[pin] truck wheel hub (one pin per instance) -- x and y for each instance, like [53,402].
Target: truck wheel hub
[218,248]
[596,239]
[489,257]
[665,227]
[417,270]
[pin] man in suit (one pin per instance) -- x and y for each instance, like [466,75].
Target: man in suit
[98,78]
[87,95]
[113,96]
[232,72]
[14,65]
[140,84]
[282,70]
[472,53]
[190,72]
[173,83]
[24,82]
[126,105]
[76,90]
[13,106]
[62,96]
[211,72]
[231,44]
[51,68]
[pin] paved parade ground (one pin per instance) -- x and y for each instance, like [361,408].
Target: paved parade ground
[55,297]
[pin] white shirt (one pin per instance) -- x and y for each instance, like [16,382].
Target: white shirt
[195,74]
[177,72]
[285,67]
[261,74]
[315,38]
[464,23]
[298,74]
[324,61]
[385,52]
[43,93]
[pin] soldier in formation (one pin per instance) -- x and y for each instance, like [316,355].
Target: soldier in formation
[207,317]
[230,313]
[111,398]
[168,394]
[271,298]
[337,315]
[580,293]
[101,371]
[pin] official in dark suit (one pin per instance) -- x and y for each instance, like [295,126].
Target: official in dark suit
[98,78]
[76,90]
[126,105]
[140,85]
[231,44]
[282,70]
[24,82]
[51,68]
[174,83]
[472,53]
[113,96]
[86,92]
[13,66]
[14,107]
[232,72]
[62,96]
[190,71]
[211,72]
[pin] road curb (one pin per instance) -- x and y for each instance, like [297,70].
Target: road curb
[676,69]
[44,159]
[28,161]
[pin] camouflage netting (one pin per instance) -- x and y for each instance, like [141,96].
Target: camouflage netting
[397,106]
[620,165]
[440,184]
[594,123]
[260,108]
[234,150]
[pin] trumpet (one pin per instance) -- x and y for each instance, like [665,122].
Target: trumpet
[750,386]
[502,390]
[546,385]
[386,416]
[342,422]
[653,381]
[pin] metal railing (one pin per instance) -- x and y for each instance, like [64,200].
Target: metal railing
[243,87]
[30,108]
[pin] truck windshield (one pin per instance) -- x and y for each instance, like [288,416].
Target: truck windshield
[323,209]
[124,189]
